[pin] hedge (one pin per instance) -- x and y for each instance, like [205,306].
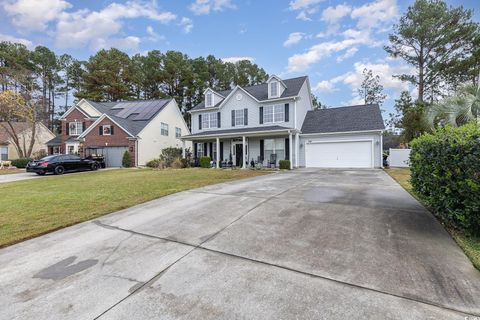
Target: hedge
[445,174]
[284,164]
[205,162]
[126,160]
[21,162]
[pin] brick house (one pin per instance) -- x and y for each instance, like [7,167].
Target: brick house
[143,128]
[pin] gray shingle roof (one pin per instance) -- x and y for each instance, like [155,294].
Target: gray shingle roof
[128,122]
[55,141]
[238,130]
[260,91]
[344,119]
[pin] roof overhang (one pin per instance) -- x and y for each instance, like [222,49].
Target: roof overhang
[269,133]
[93,125]
[342,132]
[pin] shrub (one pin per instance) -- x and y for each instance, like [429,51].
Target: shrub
[205,162]
[445,168]
[126,160]
[177,164]
[185,163]
[21,162]
[284,164]
[169,155]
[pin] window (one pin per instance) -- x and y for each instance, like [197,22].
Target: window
[107,130]
[3,153]
[209,120]
[274,89]
[274,146]
[75,128]
[164,129]
[275,113]
[71,149]
[199,150]
[209,100]
[239,117]
[178,132]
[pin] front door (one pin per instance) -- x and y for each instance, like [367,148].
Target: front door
[238,154]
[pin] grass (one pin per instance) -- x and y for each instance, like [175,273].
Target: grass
[469,244]
[10,171]
[30,208]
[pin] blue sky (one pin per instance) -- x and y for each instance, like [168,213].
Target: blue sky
[330,41]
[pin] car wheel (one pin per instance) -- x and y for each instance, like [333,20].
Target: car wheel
[59,170]
[94,166]
[41,173]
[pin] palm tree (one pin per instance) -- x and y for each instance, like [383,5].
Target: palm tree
[456,110]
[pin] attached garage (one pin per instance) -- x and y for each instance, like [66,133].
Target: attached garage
[345,137]
[339,154]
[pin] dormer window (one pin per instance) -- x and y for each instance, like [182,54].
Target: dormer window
[274,89]
[209,99]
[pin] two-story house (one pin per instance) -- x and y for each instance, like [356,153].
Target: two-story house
[143,128]
[275,120]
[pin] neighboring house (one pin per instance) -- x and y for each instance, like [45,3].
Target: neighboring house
[143,128]
[275,121]
[8,151]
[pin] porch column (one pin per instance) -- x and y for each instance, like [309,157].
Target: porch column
[297,148]
[218,153]
[244,151]
[183,149]
[290,151]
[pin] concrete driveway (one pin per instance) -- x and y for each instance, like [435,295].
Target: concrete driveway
[308,244]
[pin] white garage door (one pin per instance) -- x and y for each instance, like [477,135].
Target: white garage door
[338,154]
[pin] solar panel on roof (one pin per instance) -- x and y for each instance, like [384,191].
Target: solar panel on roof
[144,110]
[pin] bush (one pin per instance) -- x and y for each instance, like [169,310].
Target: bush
[177,164]
[445,174]
[170,154]
[185,163]
[21,162]
[284,164]
[126,160]
[205,162]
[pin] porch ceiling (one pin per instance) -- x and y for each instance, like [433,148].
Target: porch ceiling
[240,132]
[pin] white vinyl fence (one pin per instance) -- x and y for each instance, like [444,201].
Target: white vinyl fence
[399,157]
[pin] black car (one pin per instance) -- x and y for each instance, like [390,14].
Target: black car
[58,164]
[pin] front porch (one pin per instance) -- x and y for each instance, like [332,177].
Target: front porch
[247,149]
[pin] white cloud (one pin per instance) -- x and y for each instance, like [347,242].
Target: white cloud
[34,14]
[293,38]
[237,59]
[25,42]
[200,7]
[348,54]
[186,24]
[96,28]
[303,4]
[354,78]
[332,15]
[154,36]
[375,14]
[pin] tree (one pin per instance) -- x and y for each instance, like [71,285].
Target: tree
[15,107]
[107,77]
[434,39]
[317,104]
[371,91]
[456,110]
[409,117]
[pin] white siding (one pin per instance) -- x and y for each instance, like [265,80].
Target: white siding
[42,136]
[303,105]
[151,141]
[344,137]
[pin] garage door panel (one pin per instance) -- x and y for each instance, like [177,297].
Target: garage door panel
[339,154]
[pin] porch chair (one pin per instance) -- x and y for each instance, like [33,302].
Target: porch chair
[273,160]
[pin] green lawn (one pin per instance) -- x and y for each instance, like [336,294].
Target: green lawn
[470,245]
[33,207]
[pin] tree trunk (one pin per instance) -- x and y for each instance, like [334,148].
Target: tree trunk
[421,71]
[32,140]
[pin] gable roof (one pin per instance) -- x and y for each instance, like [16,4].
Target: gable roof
[260,91]
[19,127]
[132,116]
[344,119]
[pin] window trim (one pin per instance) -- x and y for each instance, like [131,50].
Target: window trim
[109,130]
[164,129]
[242,117]
[178,132]
[200,150]
[78,125]
[274,106]
[212,100]
[207,120]
[2,153]
[276,95]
